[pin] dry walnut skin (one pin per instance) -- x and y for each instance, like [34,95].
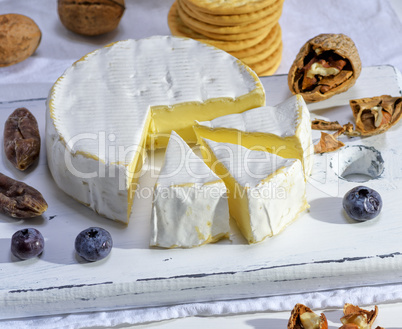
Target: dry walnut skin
[375,115]
[19,38]
[20,200]
[90,17]
[295,321]
[330,51]
[358,318]
[21,138]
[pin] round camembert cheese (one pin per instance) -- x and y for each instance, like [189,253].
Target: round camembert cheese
[112,105]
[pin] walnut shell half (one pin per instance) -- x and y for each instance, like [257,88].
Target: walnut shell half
[302,317]
[375,115]
[326,65]
[358,318]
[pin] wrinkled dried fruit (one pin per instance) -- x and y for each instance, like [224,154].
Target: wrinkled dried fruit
[328,142]
[358,318]
[375,115]
[90,17]
[20,200]
[326,65]
[21,138]
[302,317]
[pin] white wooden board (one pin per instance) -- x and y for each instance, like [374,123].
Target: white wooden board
[322,250]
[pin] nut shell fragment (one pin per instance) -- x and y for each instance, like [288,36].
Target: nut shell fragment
[338,67]
[376,115]
[21,138]
[358,318]
[328,142]
[319,124]
[20,200]
[295,321]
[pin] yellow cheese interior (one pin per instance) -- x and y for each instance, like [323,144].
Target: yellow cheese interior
[181,117]
[286,147]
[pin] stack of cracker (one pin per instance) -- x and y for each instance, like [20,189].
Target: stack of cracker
[247,29]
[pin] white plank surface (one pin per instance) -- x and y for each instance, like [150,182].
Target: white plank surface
[388,317]
[322,250]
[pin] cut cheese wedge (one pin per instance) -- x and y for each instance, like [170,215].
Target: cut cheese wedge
[266,192]
[111,106]
[190,206]
[284,129]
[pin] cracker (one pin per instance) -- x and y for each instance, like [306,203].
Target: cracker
[233,7]
[271,47]
[233,28]
[232,20]
[178,28]
[261,46]
[271,70]
[270,64]
[197,26]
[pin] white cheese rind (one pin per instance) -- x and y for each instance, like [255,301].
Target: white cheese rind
[98,112]
[286,119]
[87,180]
[190,205]
[182,166]
[275,204]
[189,216]
[275,187]
[247,167]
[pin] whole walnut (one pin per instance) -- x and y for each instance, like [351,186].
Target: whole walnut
[90,17]
[19,38]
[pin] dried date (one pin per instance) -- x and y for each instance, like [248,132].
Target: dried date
[21,138]
[20,200]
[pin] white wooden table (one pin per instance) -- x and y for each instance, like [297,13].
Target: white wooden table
[389,313]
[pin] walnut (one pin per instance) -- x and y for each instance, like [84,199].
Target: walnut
[303,317]
[377,114]
[326,65]
[20,37]
[90,17]
[358,318]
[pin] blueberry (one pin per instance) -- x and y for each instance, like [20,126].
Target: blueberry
[93,244]
[362,203]
[27,243]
